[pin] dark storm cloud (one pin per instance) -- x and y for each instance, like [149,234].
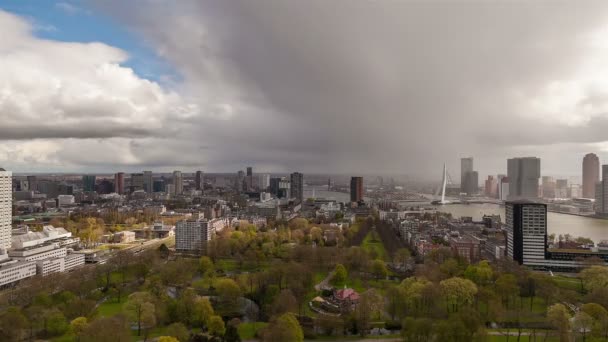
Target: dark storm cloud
[372,86]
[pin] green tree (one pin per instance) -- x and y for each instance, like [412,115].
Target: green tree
[107,329]
[378,269]
[168,339]
[457,291]
[600,318]
[582,324]
[340,275]
[595,277]
[206,264]
[78,326]
[140,309]
[216,326]
[179,331]
[232,334]
[283,328]
[12,324]
[559,317]
[229,292]
[284,302]
[506,285]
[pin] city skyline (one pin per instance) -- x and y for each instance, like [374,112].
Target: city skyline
[187,88]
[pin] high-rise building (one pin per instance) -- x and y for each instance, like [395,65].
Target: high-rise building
[491,187]
[503,187]
[264,181]
[119,183]
[88,183]
[561,188]
[148,182]
[548,187]
[6,207]
[466,166]
[526,225]
[249,171]
[240,181]
[523,174]
[297,186]
[178,183]
[137,181]
[274,185]
[356,189]
[198,180]
[32,182]
[591,174]
[601,193]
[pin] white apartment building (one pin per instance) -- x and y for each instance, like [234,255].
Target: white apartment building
[6,181]
[192,235]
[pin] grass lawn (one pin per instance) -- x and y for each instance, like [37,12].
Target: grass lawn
[376,246]
[111,307]
[247,330]
[568,283]
[540,336]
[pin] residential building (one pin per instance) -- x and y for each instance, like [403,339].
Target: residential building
[503,187]
[6,207]
[297,186]
[524,174]
[548,187]
[591,174]
[88,183]
[356,189]
[561,188]
[119,183]
[191,236]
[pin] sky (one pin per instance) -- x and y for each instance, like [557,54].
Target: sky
[340,86]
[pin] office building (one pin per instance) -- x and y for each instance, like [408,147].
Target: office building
[6,207]
[137,182]
[356,189]
[119,183]
[148,182]
[159,186]
[523,174]
[178,183]
[50,188]
[88,183]
[297,186]
[591,174]
[32,182]
[526,225]
[601,193]
[199,180]
[264,181]
[561,188]
[240,181]
[466,166]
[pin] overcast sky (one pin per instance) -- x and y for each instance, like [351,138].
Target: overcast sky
[340,86]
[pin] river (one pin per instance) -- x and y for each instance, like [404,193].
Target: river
[593,228]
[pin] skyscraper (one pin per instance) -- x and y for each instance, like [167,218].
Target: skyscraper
[6,207]
[88,183]
[198,180]
[178,184]
[356,189]
[148,182]
[526,225]
[119,183]
[264,181]
[466,166]
[548,187]
[240,180]
[601,193]
[249,171]
[32,183]
[591,174]
[523,174]
[249,179]
[297,186]
[137,181]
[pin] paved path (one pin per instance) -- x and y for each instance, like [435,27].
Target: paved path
[324,282]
